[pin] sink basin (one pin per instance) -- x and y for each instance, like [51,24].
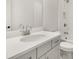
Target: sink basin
[32,38]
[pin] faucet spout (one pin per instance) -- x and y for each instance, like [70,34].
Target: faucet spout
[28,29]
[25,30]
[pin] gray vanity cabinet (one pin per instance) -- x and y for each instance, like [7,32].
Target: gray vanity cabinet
[48,50]
[52,54]
[29,55]
[43,49]
[43,57]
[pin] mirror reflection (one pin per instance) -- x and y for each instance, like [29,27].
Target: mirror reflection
[24,12]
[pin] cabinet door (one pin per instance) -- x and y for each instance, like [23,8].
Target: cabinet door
[43,57]
[29,55]
[54,53]
[43,49]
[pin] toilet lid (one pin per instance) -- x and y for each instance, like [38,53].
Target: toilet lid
[66,46]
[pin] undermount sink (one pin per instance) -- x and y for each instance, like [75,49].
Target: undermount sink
[31,38]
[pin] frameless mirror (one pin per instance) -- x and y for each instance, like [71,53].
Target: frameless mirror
[23,12]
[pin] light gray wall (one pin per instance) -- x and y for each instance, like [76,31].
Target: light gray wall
[50,15]
[25,12]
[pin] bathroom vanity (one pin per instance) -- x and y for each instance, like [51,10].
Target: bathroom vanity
[38,45]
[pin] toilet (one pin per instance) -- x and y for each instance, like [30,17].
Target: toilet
[66,49]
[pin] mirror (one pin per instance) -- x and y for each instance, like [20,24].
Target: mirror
[35,13]
[23,12]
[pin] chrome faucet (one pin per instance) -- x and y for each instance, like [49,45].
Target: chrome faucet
[28,29]
[25,30]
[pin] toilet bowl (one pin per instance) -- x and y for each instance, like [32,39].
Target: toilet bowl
[66,49]
[66,46]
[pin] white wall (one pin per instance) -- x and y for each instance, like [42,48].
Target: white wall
[8,12]
[26,12]
[50,15]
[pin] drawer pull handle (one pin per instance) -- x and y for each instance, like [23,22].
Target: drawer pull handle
[57,41]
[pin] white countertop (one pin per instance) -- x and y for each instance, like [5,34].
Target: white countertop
[15,47]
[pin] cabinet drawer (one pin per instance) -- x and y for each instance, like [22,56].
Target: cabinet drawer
[43,49]
[54,53]
[55,41]
[29,55]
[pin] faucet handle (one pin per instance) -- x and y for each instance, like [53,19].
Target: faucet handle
[21,27]
[30,27]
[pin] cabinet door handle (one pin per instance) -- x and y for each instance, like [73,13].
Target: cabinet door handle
[57,41]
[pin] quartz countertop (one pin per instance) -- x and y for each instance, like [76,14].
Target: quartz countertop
[16,48]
